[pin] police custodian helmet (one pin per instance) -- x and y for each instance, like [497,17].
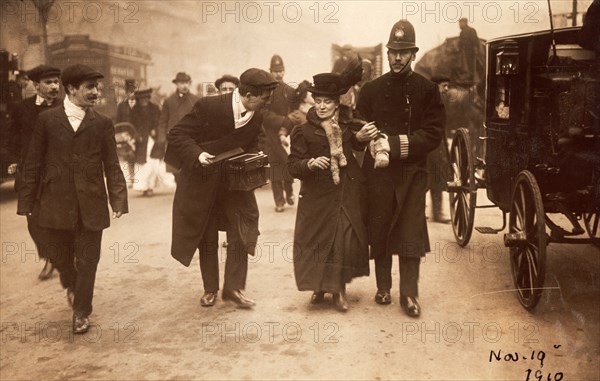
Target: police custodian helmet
[402,36]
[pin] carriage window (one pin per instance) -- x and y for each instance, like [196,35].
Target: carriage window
[572,51]
[502,107]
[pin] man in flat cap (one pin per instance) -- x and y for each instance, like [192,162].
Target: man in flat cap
[72,150]
[203,202]
[407,108]
[227,83]
[175,107]
[23,118]
[277,125]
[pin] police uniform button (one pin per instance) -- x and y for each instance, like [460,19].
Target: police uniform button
[405,110]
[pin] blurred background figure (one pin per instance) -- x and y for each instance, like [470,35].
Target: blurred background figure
[149,153]
[227,83]
[174,108]
[437,162]
[124,110]
[468,43]
[276,128]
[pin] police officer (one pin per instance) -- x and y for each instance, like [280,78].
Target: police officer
[407,108]
[276,126]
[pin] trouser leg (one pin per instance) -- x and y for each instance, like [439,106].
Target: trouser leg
[57,247]
[209,256]
[288,187]
[277,187]
[87,255]
[236,265]
[436,204]
[409,276]
[383,272]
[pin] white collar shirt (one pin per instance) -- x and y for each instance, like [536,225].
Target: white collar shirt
[75,114]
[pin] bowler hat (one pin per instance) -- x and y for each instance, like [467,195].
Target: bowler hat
[182,77]
[143,93]
[277,63]
[259,79]
[402,36]
[75,74]
[227,78]
[329,84]
[42,71]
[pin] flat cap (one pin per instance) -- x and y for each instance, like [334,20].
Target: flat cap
[146,93]
[258,78]
[42,71]
[75,74]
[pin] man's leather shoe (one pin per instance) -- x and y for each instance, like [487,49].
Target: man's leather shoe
[383,297]
[317,297]
[279,208]
[238,298]
[340,301]
[47,271]
[208,299]
[70,297]
[290,199]
[81,324]
[410,305]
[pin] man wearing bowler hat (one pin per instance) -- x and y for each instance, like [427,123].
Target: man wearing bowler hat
[203,203]
[175,107]
[72,150]
[23,118]
[407,109]
[277,125]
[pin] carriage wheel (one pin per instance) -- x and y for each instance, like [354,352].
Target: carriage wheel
[592,225]
[527,227]
[463,189]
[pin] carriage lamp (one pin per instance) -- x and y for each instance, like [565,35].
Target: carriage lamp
[507,58]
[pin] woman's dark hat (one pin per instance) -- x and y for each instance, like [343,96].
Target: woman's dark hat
[402,36]
[329,84]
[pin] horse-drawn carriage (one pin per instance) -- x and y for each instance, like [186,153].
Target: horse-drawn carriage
[541,159]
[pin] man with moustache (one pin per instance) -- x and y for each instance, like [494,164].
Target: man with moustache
[23,118]
[72,150]
[203,202]
[408,110]
[277,125]
[175,107]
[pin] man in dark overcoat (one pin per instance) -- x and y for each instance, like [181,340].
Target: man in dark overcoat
[276,127]
[23,118]
[175,107]
[72,150]
[217,125]
[407,108]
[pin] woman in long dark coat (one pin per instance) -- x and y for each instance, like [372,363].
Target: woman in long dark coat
[330,237]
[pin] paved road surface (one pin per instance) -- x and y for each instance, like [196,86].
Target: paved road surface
[149,324]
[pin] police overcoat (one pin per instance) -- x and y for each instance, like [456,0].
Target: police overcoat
[408,108]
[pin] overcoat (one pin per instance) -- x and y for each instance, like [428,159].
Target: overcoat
[173,109]
[64,171]
[209,127]
[23,118]
[321,202]
[408,108]
[145,120]
[276,121]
